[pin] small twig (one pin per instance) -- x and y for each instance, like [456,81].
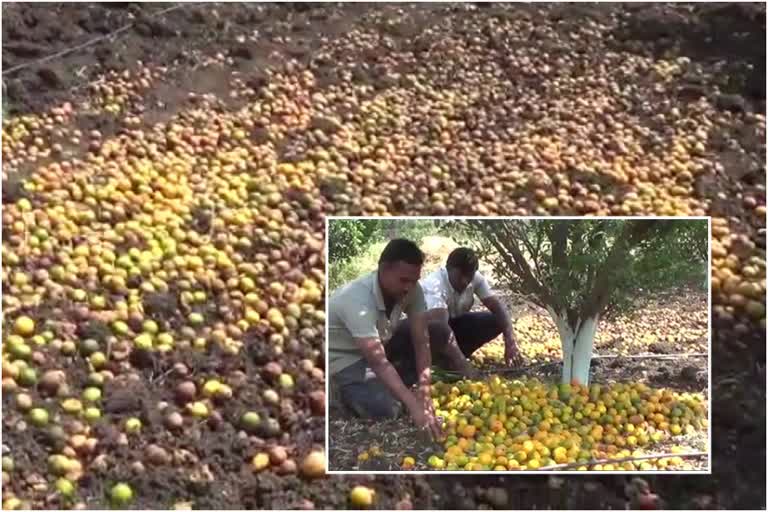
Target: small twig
[624,459]
[109,347]
[88,43]
[160,378]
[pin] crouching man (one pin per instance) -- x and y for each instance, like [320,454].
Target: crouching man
[450,294]
[365,332]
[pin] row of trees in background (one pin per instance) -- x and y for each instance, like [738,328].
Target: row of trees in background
[348,238]
[577,270]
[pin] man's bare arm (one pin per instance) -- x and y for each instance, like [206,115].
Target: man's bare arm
[420,337]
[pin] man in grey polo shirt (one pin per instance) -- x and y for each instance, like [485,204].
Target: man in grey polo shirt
[362,318]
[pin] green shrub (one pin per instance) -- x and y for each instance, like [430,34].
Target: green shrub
[354,245]
[342,272]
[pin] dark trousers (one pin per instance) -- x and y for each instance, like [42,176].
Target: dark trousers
[370,398]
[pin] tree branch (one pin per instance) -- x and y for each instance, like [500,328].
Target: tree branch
[700,249]
[634,232]
[524,270]
[558,237]
[514,259]
[534,252]
[512,277]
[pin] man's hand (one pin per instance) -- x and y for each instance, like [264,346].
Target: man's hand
[512,356]
[423,415]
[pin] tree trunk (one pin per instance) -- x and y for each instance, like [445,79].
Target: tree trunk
[577,346]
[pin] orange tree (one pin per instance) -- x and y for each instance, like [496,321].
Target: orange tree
[582,270]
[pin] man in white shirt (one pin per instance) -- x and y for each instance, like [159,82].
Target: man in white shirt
[457,331]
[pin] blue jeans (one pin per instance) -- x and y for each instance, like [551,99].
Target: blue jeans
[370,397]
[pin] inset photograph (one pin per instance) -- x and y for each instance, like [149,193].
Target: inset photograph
[518,344]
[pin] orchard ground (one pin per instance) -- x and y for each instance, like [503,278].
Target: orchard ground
[390,67]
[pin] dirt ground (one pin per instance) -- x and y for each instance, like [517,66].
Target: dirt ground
[729,41]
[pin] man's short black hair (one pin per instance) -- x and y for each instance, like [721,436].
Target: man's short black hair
[401,249]
[464,259]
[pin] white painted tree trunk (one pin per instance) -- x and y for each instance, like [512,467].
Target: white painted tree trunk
[577,348]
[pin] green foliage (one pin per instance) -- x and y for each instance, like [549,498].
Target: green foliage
[669,257]
[342,272]
[347,237]
[415,229]
[354,245]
